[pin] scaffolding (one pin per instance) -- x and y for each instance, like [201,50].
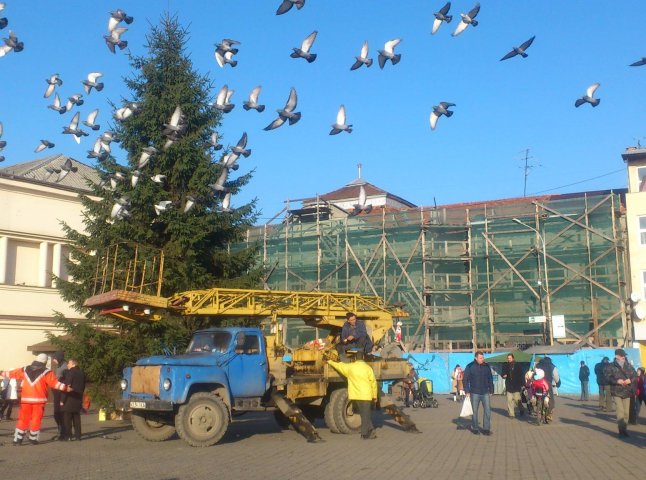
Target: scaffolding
[470,275]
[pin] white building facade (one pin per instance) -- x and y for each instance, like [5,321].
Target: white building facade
[34,202]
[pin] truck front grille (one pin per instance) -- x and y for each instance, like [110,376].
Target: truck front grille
[145,380]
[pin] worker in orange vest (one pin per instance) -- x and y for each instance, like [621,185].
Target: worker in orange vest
[36,378]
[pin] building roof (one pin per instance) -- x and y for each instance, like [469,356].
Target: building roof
[40,171]
[351,191]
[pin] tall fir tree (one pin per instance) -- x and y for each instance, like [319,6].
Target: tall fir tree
[195,244]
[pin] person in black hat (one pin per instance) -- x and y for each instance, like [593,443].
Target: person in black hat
[622,377]
[59,366]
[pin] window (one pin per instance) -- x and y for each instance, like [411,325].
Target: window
[247,344]
[641,175]
[210,342]
[642,230]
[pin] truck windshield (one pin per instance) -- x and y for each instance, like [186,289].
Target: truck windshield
[210,342]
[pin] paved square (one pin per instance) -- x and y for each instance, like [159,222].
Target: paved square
[580,444]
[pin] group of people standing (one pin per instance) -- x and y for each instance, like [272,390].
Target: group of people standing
[67,381]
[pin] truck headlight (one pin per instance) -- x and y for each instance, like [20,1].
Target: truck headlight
[124,384]
[166,384]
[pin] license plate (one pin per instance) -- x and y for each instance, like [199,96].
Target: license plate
[137,404]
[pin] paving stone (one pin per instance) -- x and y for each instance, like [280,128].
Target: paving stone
[581,443]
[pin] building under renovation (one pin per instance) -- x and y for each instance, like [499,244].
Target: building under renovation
[481,275]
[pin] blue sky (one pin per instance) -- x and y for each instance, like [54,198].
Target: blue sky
[502,107]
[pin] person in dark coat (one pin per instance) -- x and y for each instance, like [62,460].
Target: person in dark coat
[514,377]
[73,401]
[59,366]
[478,385]
[605,400]
[584,377]
[354,336]
[622,378]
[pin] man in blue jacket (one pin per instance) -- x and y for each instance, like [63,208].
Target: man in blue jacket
[478,385]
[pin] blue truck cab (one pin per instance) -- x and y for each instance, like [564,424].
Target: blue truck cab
[194,394]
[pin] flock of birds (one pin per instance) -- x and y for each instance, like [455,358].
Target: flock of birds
[225,53]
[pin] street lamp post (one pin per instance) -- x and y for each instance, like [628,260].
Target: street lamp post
[548,306]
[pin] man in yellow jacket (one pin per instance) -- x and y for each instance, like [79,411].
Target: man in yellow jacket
[362,389]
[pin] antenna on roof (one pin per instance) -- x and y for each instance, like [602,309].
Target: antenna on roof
[359,168]
[527,168]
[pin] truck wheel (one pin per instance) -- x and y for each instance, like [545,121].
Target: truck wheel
[345,417]
[202,421]
[151,429]
[328,414]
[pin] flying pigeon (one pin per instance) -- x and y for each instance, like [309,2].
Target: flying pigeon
[43,145]
[91,118]
[120,209]
[3,143]
[388,53]
[227,45]
[52,81]
[287,113]
[638,63]
[106,139]
[304,51]
[163,206]
[467,19]
[226,203]
[589,96]
[3,21]
[340,125]
[286,6]
[252,103]
[362,59]
[134,178]
[241,148]
[98,151]
[66,168]
[225,51]
[72,128]
[439,110]
[115,179]
[213,141]
[222,100]
[519,50]
[361,205]
[230,161]
[175,128]
[218,186]
[76,99]
[146,155]
[91,81]
[114,39]
[116,17]
[127,111]
[158,178]
[176,123]
[441,16]
[56,106]
[190,203]
[12,43]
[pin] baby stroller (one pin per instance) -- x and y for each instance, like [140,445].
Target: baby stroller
[423,394]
